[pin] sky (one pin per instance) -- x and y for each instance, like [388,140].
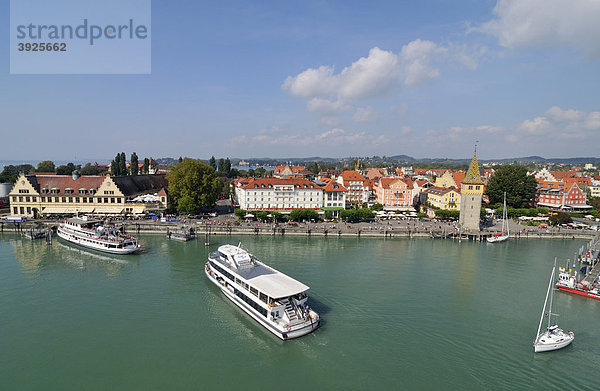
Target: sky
[310,78]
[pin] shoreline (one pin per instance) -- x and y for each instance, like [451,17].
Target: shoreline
[205,231]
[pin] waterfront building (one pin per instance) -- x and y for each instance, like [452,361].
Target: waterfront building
[34,195]
[394,192]
[334,197]
[441,198]
[560,196]
[357,186]
[278,194]
[471,192]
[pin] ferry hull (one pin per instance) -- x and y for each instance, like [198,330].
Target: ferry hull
[79,242]
[579,292]
[273,328]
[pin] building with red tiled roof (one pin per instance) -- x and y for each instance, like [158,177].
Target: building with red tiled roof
[278,194]
[394,192]
[562,175]
[71,194]
[334,197]
[374,173]
[357,185]
[560,195]
[290,172]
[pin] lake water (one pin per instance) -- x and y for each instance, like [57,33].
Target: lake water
[397,314]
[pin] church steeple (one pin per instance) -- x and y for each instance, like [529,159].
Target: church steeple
[473,177]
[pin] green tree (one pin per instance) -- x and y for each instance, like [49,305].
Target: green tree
[512,179]
[133,166]
[180,159]
[328,215]
[88,169]
[193,185]
[377,207]
[221,166]
[66,169]
[114,166]
[122,164]
[447,214]
[561,218]
[262,215]
[212,162]
[146,167]
[46,166]
[304,215]
[10,173]
[240,213]
[313,167]
[227,166]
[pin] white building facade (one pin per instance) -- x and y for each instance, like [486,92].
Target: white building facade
[279,194]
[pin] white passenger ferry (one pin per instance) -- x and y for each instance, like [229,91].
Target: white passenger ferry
[92,234]
[274,300]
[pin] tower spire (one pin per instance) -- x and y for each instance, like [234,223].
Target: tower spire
[473,176]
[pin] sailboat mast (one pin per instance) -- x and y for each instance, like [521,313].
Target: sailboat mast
[544,308]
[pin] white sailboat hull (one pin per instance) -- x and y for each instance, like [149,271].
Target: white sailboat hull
[496,239]
[546,342]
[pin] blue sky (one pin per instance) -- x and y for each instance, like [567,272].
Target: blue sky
[334,79]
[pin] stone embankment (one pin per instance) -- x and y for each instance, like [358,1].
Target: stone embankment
[336,230]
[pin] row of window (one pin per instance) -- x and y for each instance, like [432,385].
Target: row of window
[85,200]
[250,302]
[240,294]
[55,190]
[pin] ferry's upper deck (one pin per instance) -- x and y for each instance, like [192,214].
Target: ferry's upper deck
[255,273]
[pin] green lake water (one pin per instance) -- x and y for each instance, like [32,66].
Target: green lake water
[414,314]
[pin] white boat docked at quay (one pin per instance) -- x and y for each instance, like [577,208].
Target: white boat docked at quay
[92,234]
[273,299]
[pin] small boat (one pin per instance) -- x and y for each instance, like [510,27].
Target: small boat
[93,234]
[505,233]
[553,338]
[273,299]
[184,234]
[567,282]
[35,234]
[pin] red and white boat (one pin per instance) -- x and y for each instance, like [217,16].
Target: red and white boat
[567,281]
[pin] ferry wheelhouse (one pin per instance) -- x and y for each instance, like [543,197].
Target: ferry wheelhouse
[92,234]
[273,299]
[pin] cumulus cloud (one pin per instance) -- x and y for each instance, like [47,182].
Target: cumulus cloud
[364,114]
[546,23]
[416,58]
[535,126]
[326,106]
[364,78]
[277,137]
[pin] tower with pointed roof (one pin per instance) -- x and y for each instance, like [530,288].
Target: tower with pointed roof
[471,192]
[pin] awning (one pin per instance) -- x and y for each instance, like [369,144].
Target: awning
[63,210]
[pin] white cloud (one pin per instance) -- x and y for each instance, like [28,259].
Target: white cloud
[365,114]
[364,78]
[416,58]
[556,114]
[535,126]
[276,137]
[546,23]
[326,106]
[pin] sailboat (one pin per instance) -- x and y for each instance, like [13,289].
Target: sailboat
[505,233]
[553,338]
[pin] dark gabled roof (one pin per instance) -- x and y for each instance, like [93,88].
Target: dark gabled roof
[137,184]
